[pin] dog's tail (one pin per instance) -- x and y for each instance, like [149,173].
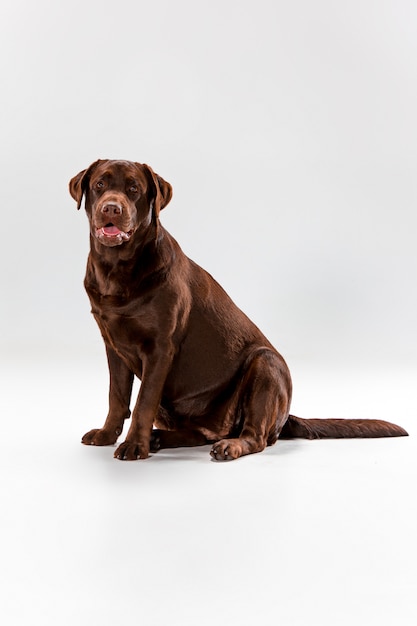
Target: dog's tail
[296,427]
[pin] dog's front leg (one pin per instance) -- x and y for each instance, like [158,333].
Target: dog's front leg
[137,443]
[121,381]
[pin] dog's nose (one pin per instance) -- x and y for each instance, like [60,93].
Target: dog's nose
[111,209]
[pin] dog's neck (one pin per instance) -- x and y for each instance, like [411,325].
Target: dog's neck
[110,270]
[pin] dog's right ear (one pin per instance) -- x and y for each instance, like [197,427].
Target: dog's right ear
[78,184]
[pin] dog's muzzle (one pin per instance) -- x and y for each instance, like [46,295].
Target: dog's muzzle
[110,218]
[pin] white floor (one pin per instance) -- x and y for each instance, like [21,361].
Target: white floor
[305,533]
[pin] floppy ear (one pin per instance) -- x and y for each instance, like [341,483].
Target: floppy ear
[78,184]
[162,191]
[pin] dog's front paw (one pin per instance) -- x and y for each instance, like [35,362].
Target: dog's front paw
[131,451]
[100,437]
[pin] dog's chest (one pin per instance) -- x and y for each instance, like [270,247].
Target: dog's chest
[124,325]
[119,326]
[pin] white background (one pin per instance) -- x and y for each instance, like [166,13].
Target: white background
[288,131]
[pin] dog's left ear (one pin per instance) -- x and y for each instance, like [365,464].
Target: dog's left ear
[78,184]
[162,191]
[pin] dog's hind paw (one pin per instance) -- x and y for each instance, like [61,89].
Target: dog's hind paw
[229,449]
[226,450]
[155,443]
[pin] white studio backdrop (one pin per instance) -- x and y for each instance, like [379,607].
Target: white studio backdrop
[287,129]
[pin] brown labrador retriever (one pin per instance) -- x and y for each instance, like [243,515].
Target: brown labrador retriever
[208,373]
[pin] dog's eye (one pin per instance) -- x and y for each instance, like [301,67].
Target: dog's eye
[133,189]
[99,184]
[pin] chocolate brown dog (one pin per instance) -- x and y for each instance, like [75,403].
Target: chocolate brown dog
[208,374]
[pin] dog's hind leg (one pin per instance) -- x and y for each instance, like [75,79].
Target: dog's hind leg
[171,434]
[264,401]
[176,439]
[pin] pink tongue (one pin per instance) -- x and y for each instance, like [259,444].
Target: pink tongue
[111,230]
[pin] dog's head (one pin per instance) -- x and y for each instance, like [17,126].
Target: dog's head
[121,197]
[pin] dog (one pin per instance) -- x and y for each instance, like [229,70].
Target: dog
[208,375]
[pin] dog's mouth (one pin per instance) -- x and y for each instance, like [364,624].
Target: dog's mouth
[110,234]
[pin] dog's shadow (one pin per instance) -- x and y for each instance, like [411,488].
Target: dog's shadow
[197,454]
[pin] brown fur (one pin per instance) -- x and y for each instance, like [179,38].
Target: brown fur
[208,373]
